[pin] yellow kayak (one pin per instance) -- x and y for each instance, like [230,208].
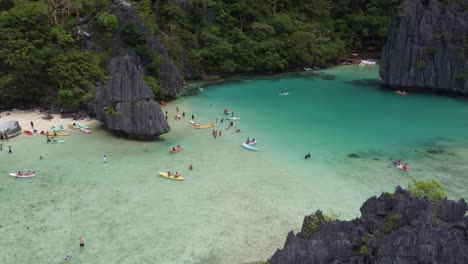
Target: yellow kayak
[164,174]
[194,123]
[206,126]
[58,134]
[70,126]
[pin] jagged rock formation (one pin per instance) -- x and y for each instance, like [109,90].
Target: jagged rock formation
[169,76]
[427,47]
[10,128]
[394,228]
[126,104]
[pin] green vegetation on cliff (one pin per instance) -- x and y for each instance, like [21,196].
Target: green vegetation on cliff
[46,56]
[266,35]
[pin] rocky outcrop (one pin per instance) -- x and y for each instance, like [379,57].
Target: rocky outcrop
[427,47]
[393,228]
[126,104]
[10,128]
[169,76]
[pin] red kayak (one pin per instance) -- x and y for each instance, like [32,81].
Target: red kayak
[163,103]
[23,175]
[27,132]
[175,151]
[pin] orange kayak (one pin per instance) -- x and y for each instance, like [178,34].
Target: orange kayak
[27,132]
[163,103]
[175,151]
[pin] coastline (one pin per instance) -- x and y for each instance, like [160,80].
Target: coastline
[24,117]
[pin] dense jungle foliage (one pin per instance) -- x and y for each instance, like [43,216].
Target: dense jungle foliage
[45,55]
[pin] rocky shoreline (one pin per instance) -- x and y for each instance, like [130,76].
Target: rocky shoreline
[393,228]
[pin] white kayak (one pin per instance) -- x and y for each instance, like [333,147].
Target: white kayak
[40,132]
[23,175]
[285,93]
[251,143]
[249,147]
[234,118]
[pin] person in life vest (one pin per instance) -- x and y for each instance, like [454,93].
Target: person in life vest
[398,163]
[190,167]
[405,167]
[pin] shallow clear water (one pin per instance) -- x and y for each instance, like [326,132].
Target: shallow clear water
[236,206]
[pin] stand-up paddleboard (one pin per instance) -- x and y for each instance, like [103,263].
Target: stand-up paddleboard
[249,147]
[23,175]
[164,174]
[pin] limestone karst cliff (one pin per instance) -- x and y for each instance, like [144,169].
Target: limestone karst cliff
[427,47]
[393,228]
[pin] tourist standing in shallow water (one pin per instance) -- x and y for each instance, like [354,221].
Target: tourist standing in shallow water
[82,241]
[9,149]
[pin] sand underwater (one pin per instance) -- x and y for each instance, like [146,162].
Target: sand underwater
[236,206]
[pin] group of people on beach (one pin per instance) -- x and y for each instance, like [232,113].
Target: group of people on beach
[178,116]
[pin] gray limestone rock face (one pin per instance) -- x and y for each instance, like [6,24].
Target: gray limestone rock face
[170,78]
[126,104]
[427,47]
[424,232]
[10,128]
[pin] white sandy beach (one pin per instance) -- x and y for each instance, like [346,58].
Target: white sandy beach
[24,117]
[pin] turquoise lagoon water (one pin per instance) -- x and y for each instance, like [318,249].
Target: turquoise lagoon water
[236,206]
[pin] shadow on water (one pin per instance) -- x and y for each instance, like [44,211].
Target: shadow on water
[366,83]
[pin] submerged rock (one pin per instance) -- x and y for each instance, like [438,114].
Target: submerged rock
[393,228]
[126,104]
[426,47]
[437,151]
[10,128]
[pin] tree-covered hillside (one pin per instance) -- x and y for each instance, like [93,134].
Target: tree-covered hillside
[46,56]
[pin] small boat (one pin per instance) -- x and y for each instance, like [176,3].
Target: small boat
[164,174]
[307,69]
[163,103]
[401,93]
[234,118]
[57,134]
[87,131]
[27,132]
[206,126]
[194,123]
[70,126]
[249,147]
[284,93]
[369,62]
[79,125]
[23,175]
[56,142]
[175,151]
